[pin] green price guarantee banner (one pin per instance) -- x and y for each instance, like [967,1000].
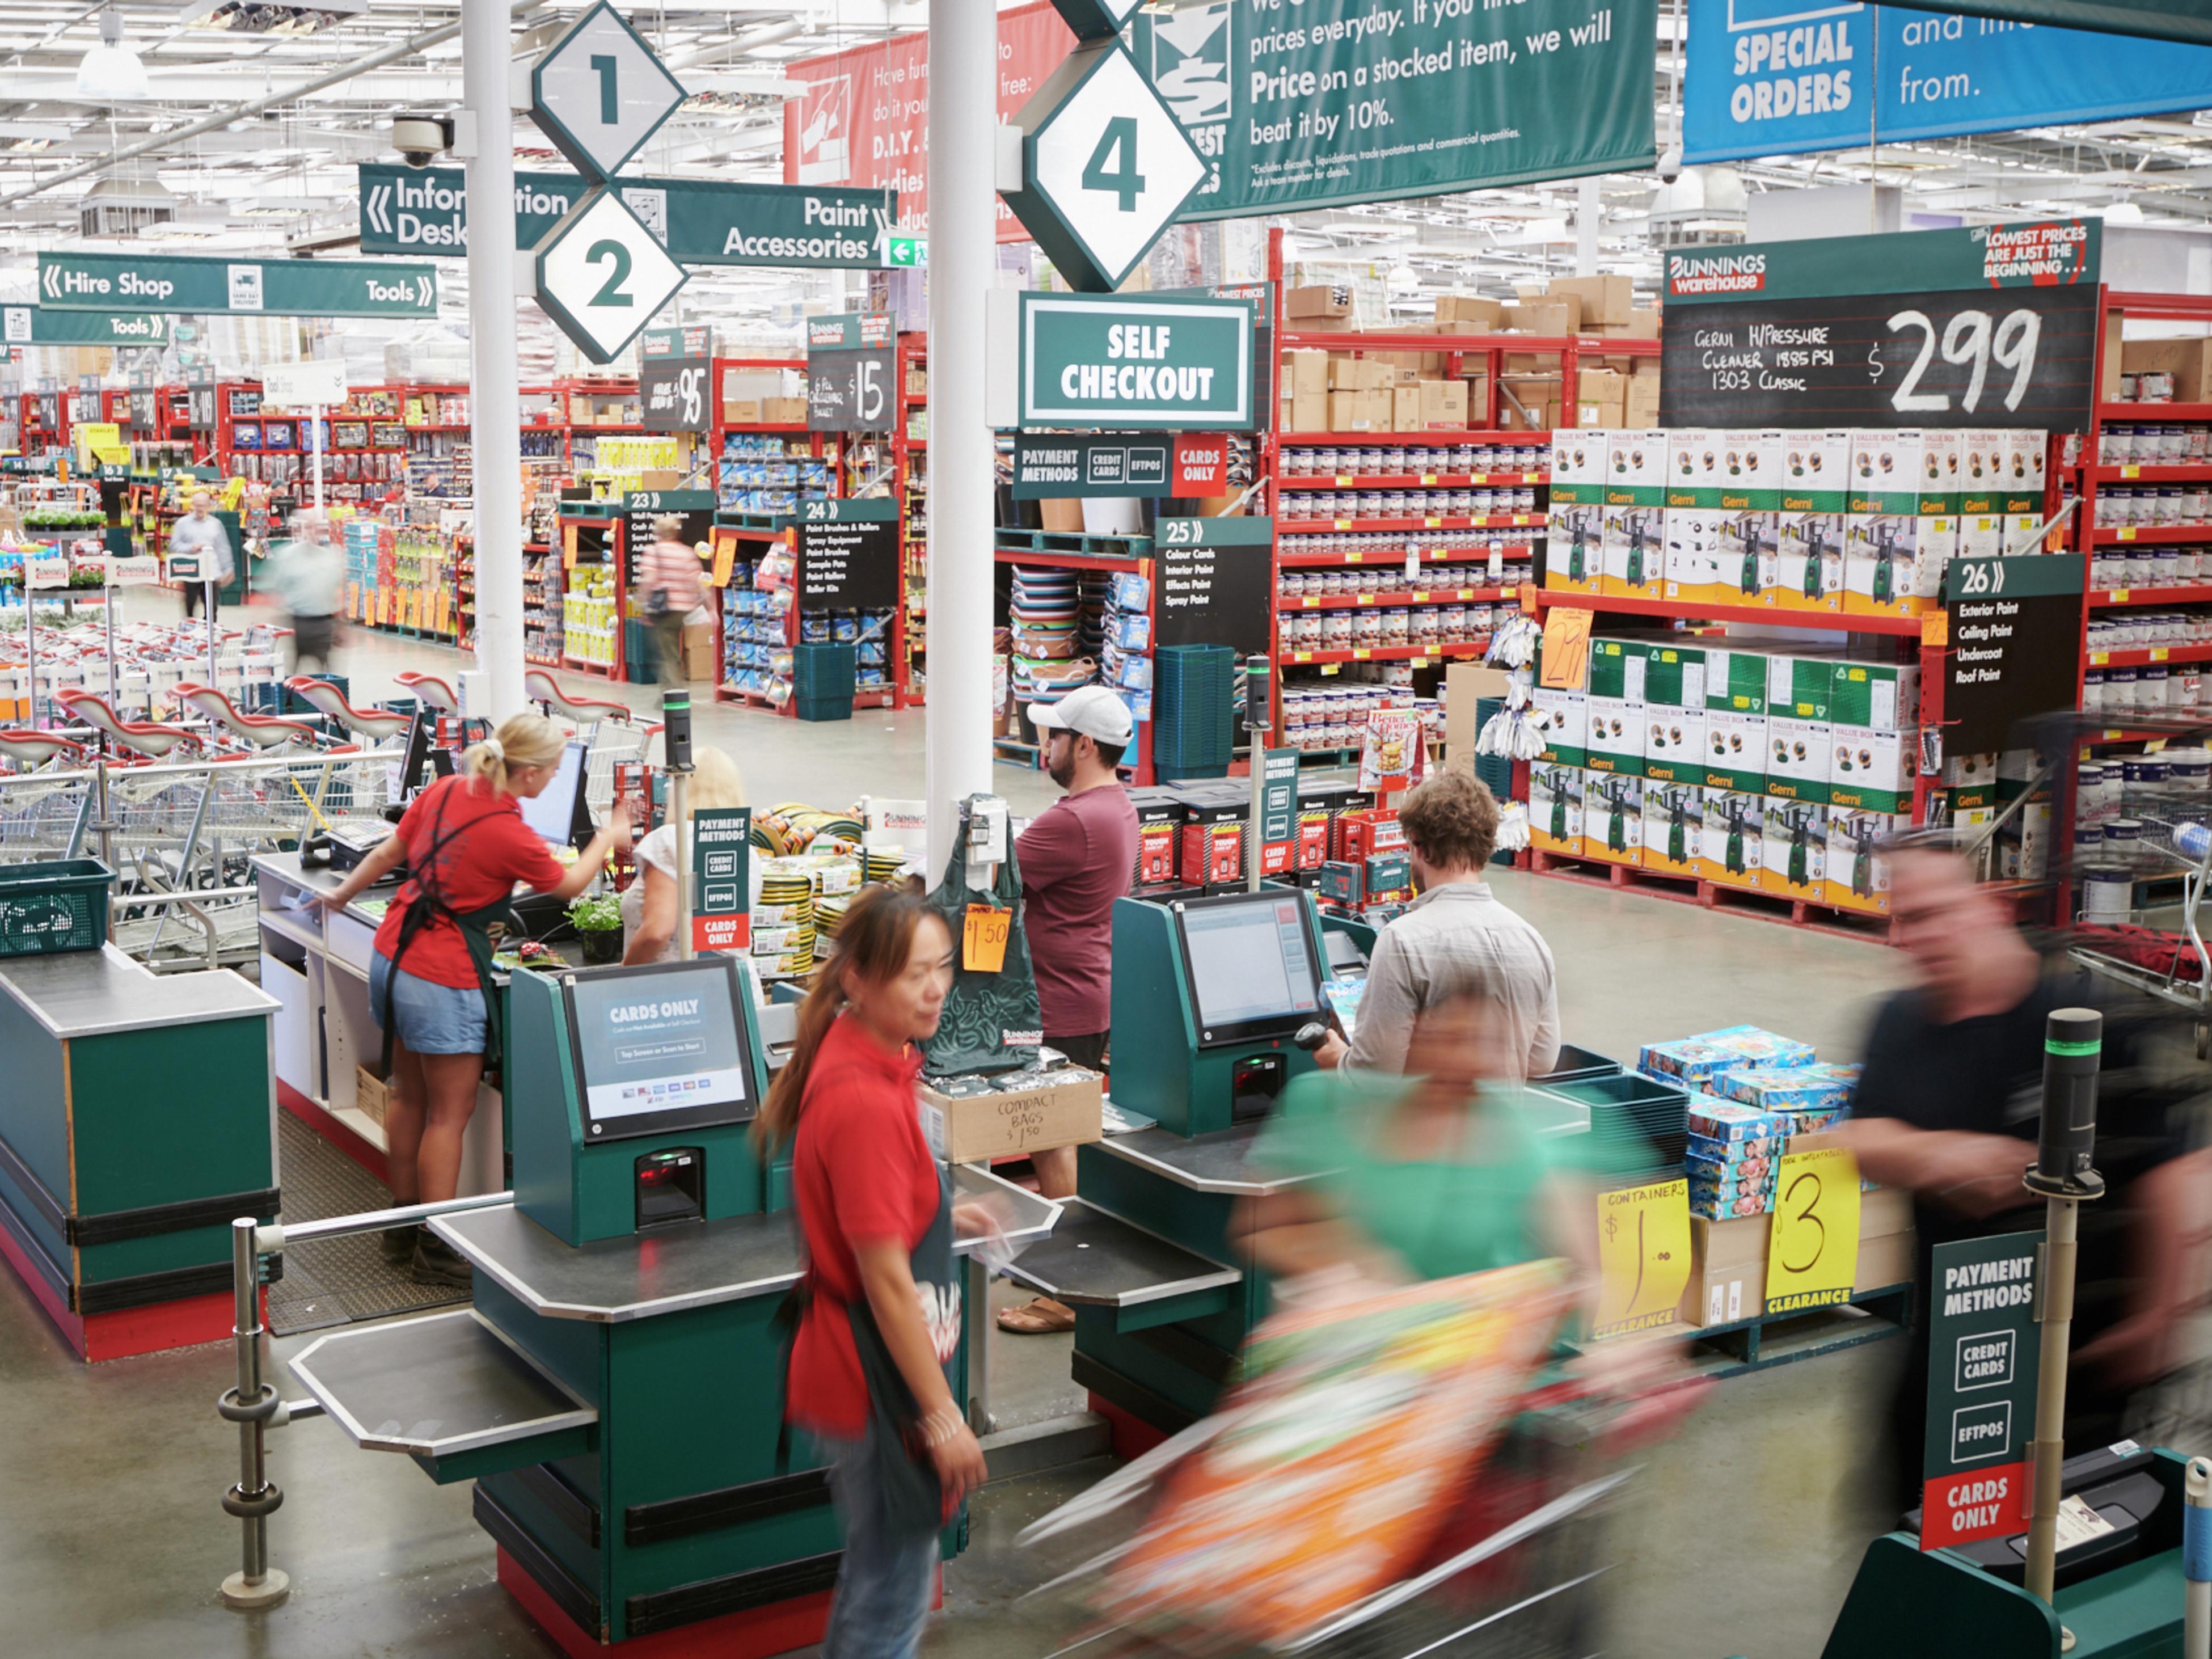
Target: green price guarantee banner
[1303,105]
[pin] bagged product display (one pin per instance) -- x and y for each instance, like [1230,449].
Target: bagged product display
[1813,498]
[991,1022]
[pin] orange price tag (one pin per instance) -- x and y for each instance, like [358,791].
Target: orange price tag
[568,547]
[1566,647]
[1935,628]
[983,939]
[726,558]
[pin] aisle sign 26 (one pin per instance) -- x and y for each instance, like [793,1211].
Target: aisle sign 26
[1813,1251]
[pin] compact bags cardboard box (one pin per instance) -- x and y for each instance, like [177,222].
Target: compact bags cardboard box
[1811,500]
[1635,514]
[1064,1108]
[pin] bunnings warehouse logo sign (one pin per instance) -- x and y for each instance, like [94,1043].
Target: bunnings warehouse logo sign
[1146,361]
[422,210]
[313,288]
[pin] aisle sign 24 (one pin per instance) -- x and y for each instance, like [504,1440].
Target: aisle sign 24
[1814,1252]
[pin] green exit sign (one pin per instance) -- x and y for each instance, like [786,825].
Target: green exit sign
[911,251]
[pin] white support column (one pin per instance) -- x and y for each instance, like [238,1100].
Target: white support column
[964,102]
[1588,205]
[495,392]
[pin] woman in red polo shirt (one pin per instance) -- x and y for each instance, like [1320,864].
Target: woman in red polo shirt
[430,982]
[881,1316]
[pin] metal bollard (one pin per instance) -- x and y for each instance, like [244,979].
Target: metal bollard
[2197,1560]
[249,1404]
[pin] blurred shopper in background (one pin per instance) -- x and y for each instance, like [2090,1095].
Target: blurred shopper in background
[674,584]
[307,573]
[1455,939]
[1947,1108]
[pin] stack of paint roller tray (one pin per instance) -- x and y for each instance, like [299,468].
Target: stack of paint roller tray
[1043,615]
[783,917]
[1806,1098]
[822,679]
[1638,1125]
[1733,1153]
[1193,725]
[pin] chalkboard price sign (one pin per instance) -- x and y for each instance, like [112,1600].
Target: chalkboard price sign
[1990,326]
[851,361]
[674,391]
[848,555]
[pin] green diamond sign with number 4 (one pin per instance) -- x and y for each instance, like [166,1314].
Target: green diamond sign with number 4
[1096,20]
[599,92]
[602,276]
[1105,166]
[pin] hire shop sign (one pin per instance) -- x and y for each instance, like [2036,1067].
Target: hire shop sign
[1983,1347]
[722,914]
[1143,360]
[310,287]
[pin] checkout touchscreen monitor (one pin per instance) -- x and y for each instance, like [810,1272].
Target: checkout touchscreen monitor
[1253,965]
[552,810]
[661,1046]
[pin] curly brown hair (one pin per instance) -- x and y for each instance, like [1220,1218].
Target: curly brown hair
[1451,820]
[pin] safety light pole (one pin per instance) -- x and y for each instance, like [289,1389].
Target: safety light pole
[963,101]
[496,398]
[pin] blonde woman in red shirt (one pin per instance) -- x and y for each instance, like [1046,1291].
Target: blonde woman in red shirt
[880,1315]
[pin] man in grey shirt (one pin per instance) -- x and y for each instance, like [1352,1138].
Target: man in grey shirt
[1454,939]
[200,534]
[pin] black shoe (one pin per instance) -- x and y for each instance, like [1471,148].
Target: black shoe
[398,1244]
[436,1264]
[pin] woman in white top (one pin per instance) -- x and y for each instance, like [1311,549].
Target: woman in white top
[648,904]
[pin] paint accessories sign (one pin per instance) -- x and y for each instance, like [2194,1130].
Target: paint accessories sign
[1983,1347]
[1772,77]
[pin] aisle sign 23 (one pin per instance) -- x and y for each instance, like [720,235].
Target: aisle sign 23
[1813,1251]
[1643,1254]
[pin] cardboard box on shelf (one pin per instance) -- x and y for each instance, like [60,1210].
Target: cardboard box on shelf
[1555,807]
[1597,298]
[1406,409]
[1732,845]
[1471,311]
[1641,407]
[1728,1270]
[783,411]
[1637,325]
[1348,412]
[1574,538]
[742,411]
[1884,1259]
[1466,683]
[1064,1110]
[1811,524]
[1600,416]
[699,652]
[2190,362]
[1883,1210]
[1551,318]
[1381,408]
[2115,349]
[1443,406]
[372,1095]
[1062,513]
[1309,371]
[1635,513]
[1317,299]
[1308,411]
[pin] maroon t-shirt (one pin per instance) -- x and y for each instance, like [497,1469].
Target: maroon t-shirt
[1077,859]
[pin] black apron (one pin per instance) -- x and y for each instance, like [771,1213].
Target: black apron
[914,1497]
[477,933]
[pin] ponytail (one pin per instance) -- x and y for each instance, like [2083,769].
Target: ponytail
[526,740]
[873,942]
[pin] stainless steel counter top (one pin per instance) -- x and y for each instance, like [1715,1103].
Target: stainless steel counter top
[86,994]
[1215,1162]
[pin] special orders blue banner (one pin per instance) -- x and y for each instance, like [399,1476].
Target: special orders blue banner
[1771,77]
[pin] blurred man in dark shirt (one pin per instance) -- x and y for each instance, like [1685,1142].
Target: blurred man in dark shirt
[1947,1108]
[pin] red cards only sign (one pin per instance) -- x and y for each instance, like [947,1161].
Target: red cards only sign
[1983,1347]
[721,896]
[1201,464]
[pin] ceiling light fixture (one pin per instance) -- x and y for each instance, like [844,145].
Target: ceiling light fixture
[110,72]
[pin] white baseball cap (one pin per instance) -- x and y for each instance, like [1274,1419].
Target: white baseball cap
[1091,711]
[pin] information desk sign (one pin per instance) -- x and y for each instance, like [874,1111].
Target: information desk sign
[602,275]
[1214,582]
[2015,633]
[1994,325]
[599,92]
[1983,1349]
[848,554]
[1814,1249]
[1154,361]
[721,911]
[1643,1256]
[1279,810]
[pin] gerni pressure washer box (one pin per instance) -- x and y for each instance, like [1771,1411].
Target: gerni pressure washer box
[1813,498]
[1674,714]
[1618,668]
[1612,817]
[1732,843]
[1555,807]
[1674,827]
[1635,514]
[1749,522]
[1881,557]
[1693,514]
[1799,731]
[1794,860]
[1574,540]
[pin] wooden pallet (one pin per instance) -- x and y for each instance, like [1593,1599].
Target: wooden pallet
[1715,896]
[1068,541]
[1757,1345]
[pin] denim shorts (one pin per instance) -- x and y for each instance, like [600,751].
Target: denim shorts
[430,1018]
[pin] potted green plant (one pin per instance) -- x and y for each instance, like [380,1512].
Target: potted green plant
[598,922]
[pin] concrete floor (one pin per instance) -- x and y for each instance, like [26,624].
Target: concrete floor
[1739,1538]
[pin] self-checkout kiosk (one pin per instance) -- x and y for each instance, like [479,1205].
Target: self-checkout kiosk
[616,1390]
[1216,1003]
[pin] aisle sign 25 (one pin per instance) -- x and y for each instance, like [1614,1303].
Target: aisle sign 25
[1813,1251]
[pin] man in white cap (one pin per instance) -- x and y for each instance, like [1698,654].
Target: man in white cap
[1076,858]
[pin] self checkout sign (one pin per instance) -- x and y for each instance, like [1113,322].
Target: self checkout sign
[598,93]
[1982,1349]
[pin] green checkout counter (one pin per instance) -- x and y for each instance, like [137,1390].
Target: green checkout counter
[616,1390]
[136,1123]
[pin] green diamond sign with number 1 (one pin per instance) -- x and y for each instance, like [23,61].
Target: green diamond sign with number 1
[1105,166]
[601,274]
[599,92]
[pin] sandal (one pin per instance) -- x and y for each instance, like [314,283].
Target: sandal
[1037,1318]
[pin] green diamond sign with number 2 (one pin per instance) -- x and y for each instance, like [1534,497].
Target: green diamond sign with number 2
[599,92]
[1105,166]
[602,276]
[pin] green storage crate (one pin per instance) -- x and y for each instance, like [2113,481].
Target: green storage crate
[49,907]
[823,708]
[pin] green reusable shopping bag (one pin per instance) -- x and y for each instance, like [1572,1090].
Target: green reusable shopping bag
[991,1022]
